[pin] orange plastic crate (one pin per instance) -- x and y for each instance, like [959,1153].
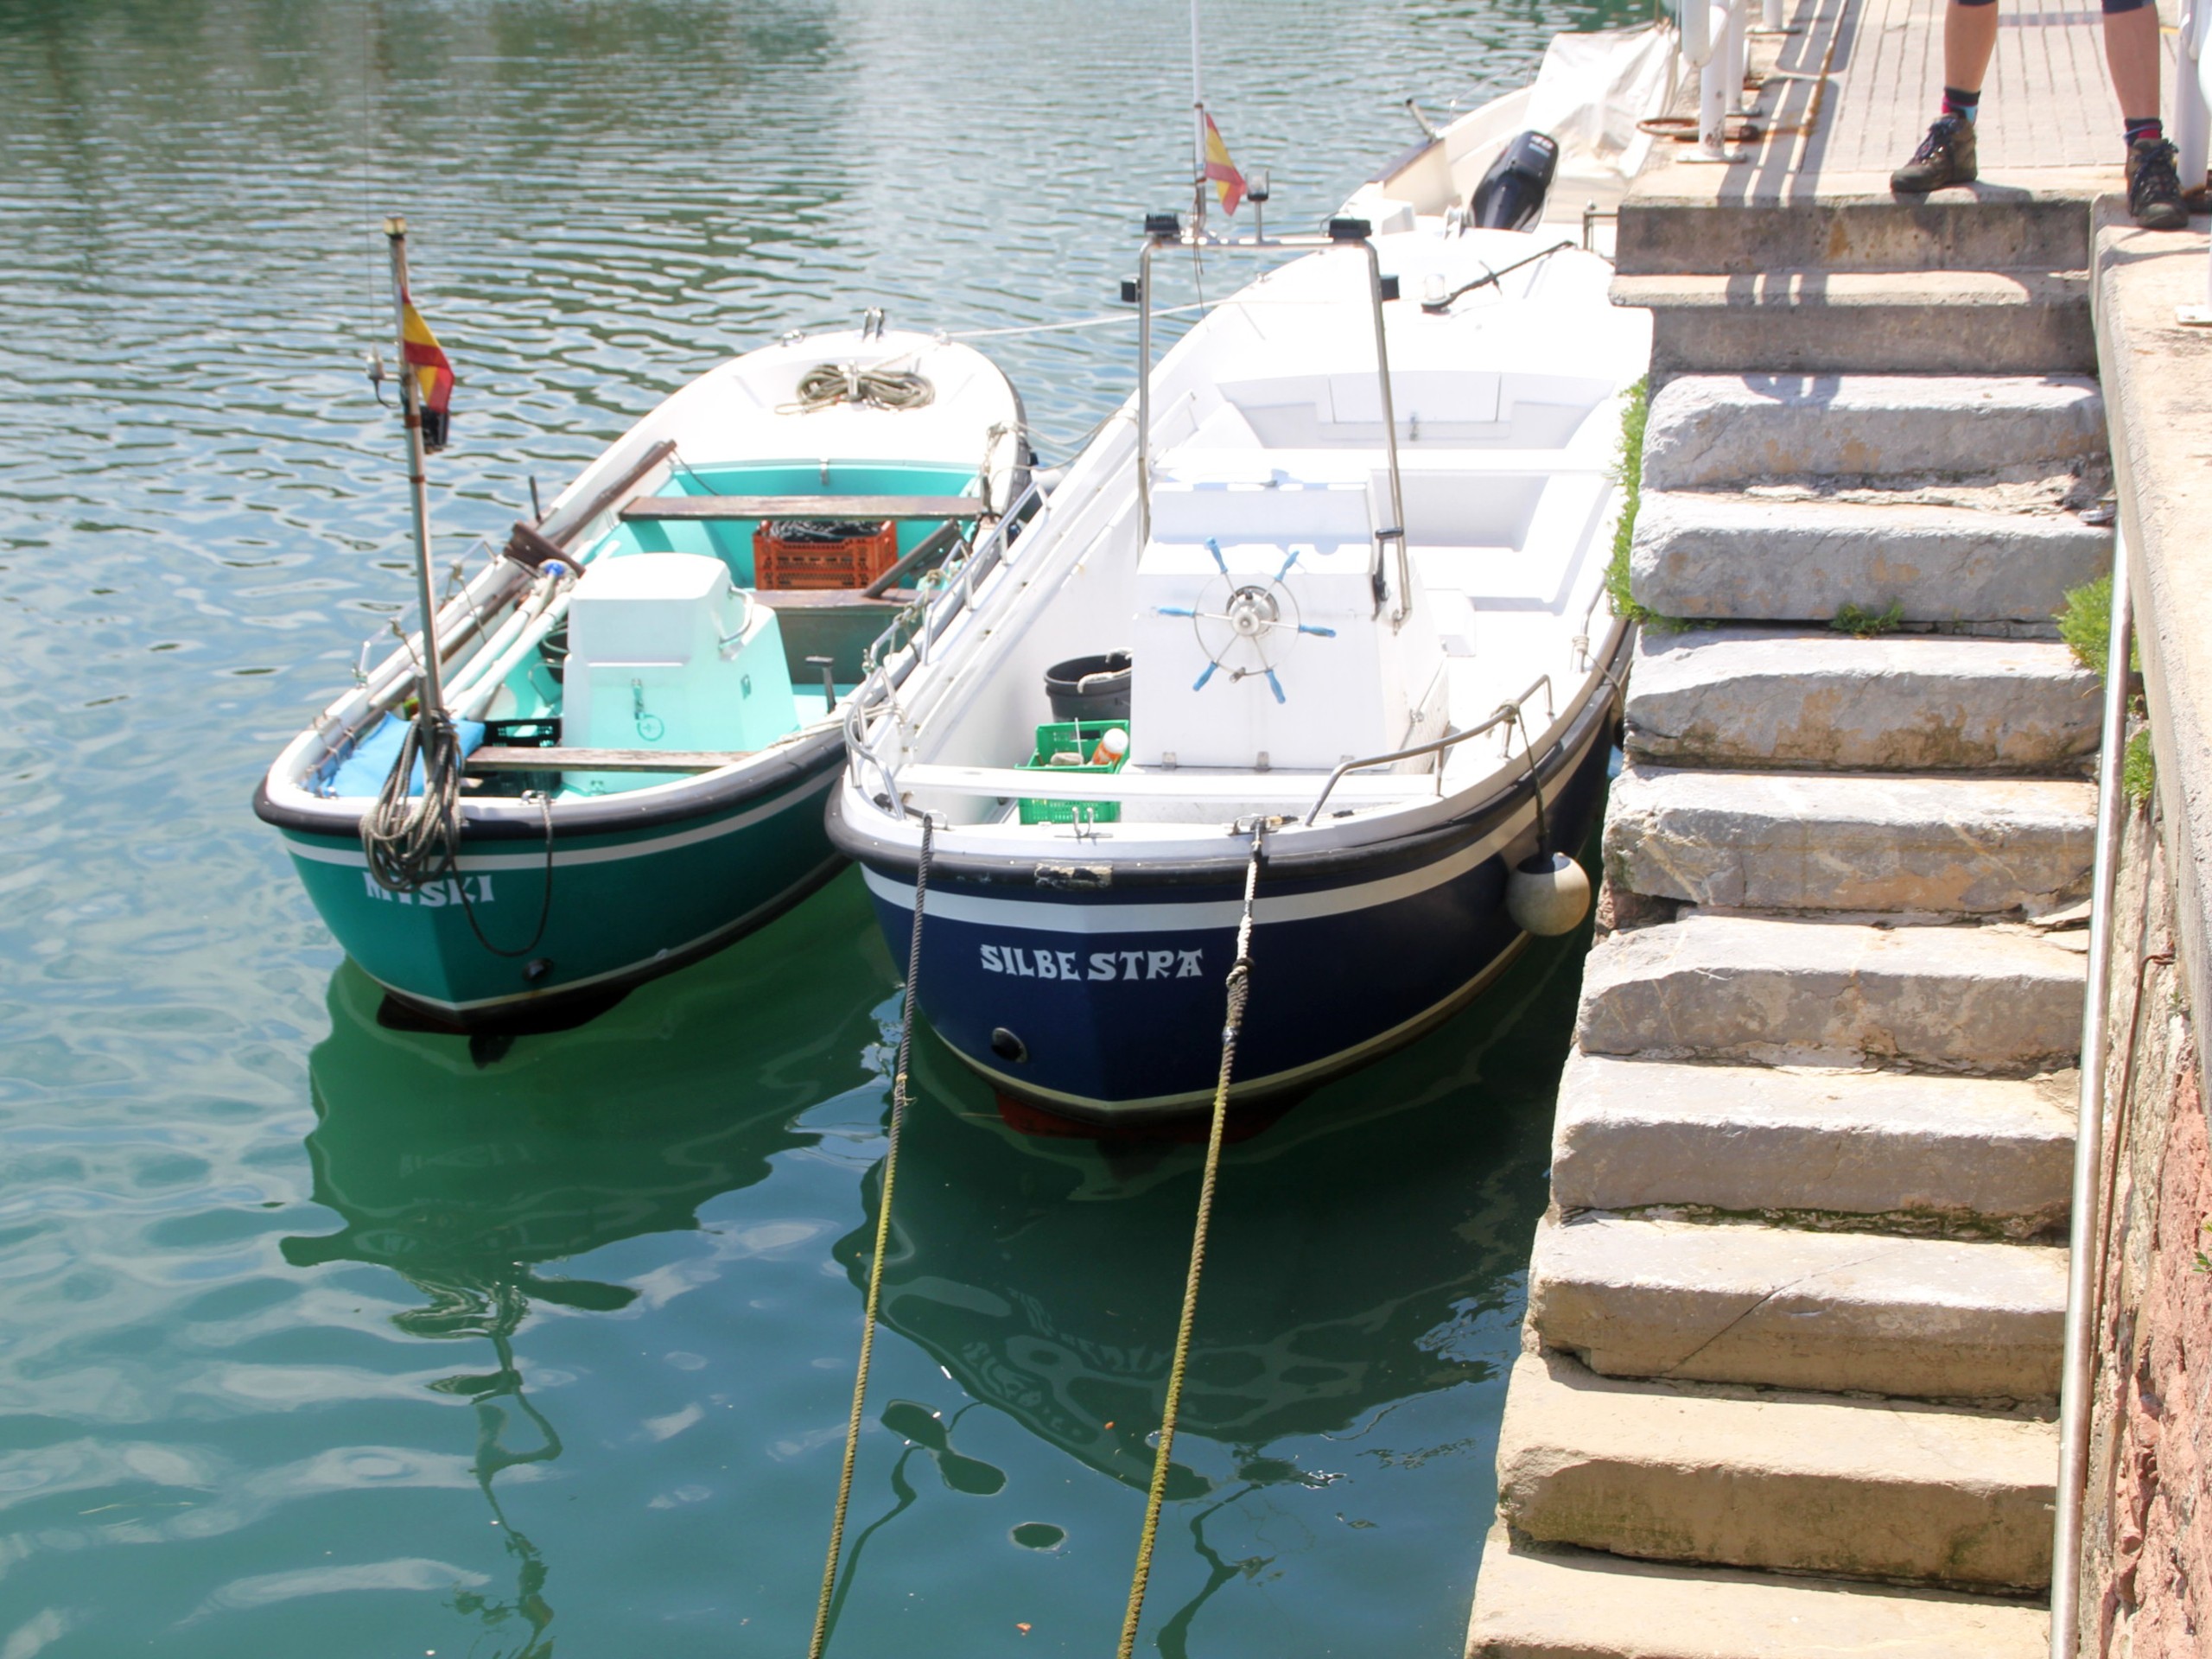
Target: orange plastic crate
[788,556]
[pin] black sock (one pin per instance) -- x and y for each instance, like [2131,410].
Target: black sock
[1958,103]
[2148,127]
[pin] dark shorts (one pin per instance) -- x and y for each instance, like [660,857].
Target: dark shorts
[2113,7]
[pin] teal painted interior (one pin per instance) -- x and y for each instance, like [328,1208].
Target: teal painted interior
[731,540]
[326,1338]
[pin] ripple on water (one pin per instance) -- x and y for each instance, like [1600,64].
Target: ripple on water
[561,1343]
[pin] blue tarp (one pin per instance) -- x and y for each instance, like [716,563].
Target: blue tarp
[363,772]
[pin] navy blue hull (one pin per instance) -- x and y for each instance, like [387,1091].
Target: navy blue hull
[1108,1005]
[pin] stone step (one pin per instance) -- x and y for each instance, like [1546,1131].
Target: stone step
[1683,1471]
[1828,841]
[1726,429]
[1868,229]
[1824,321]
[1727,986]
[1633,1134]
[1712,556]
[1929,1318]
[1561,1604]
[1780,697]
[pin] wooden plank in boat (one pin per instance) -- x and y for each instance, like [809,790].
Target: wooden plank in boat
[859,507]
[494,758]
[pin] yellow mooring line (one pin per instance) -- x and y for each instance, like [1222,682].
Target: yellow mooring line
[882,1240]
[1240,985]
[1239,990]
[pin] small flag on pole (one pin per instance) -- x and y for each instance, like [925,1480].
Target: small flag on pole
[420,349]
[1221,172]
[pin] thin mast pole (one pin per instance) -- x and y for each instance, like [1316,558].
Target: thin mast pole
[410,403]
[1198,129]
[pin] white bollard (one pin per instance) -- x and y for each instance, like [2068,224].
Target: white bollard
[1738,56]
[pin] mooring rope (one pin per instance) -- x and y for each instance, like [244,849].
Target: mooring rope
[1240,990]
[882,1244]
[411,841]
[828,384]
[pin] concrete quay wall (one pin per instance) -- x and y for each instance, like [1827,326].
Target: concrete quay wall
[2147,1558]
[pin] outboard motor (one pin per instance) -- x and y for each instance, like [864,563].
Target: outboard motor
[1511,195]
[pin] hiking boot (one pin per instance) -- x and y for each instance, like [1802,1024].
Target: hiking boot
[2153,189]
[1945,156]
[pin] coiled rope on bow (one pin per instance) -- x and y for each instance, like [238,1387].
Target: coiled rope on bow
[1240,991]
[827,384]
[882,1244]
[411,841]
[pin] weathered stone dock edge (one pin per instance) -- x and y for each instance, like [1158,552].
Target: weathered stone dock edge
[1796,1314]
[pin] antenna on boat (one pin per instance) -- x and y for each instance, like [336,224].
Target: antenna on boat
[1198,134]
[410,403]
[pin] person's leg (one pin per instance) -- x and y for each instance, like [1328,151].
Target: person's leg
[2132,55]
[1946,155]
[1969,42]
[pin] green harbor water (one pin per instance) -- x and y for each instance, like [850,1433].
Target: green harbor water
[321,1336]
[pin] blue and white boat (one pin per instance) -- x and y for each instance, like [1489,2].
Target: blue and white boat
[1353,535]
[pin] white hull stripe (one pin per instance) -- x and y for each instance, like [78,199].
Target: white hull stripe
[350,855]
[1104,916]
[1344,1060]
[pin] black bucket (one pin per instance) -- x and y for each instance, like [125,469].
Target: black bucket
[1090,688]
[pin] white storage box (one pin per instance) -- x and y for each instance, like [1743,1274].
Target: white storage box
[1363,688]
[664,653]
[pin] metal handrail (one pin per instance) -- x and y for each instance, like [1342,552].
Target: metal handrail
[1395,531]
[1509,709]
[2077,1382]
[895,660]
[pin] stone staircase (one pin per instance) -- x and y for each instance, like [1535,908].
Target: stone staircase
[1847,281]
[1795,1317]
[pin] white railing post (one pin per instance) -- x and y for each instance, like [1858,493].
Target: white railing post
[1738,55]
[1770,17]
[1713,99]
[2193,120]
[1713,43]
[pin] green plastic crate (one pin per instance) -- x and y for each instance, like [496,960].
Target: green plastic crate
[1071,737]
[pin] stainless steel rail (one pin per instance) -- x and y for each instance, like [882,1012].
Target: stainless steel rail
[893,659]
[1507,710]
[2077,1382]
[1395,531]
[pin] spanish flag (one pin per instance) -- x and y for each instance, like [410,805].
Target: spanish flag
[420,351]
[1220,170]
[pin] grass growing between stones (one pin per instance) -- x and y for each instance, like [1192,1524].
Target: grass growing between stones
[1628,473]
[1862,624]
[2138,772]
[2086,626]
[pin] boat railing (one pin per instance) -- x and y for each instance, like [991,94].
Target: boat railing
[1164,232]
[1507,710]
[905,646]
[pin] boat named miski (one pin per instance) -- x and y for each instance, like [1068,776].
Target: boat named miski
[1338,582]
[611,756]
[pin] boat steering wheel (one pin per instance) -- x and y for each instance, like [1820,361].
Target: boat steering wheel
[1255,622]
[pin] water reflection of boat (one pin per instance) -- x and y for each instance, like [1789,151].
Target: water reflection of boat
[467,1180]
[1347,1266]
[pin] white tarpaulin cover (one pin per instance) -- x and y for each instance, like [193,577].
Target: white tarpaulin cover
[1594,89]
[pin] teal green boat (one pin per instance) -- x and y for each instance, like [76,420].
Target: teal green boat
[644,681]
